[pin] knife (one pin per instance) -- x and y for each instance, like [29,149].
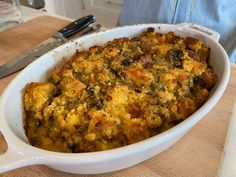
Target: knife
[57,39]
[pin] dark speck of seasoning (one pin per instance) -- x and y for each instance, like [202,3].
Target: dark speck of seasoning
[115,72]
[192,90]
[127,62]
[90,89]
[150,29]
[126,54]
[72,146]
[175,56]
[135,39]
[197,79]
[98,104]
[162,89]
[137,90]
[33,141]
[98,124]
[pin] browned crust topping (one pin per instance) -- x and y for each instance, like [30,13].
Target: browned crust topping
[120,93]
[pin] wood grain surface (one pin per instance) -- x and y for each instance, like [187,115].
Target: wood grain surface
[197,154]
[18,40]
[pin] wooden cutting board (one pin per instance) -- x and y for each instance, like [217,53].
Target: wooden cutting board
[18,40]
[197,154]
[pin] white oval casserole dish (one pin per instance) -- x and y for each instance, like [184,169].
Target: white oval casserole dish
[21,153]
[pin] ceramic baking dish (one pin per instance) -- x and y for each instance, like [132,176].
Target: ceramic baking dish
[21,153]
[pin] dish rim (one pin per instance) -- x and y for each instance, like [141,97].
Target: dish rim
[13,140]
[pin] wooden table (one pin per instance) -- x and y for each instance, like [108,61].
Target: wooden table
[197,154]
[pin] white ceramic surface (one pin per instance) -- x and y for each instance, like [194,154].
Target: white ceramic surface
[21,153]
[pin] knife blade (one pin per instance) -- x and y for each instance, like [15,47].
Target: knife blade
[54,41]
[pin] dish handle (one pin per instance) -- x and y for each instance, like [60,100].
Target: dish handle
[11,160]
[215,35]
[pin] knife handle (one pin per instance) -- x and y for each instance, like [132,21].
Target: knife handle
[77,25]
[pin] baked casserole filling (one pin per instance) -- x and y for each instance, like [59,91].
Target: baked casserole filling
[120,93]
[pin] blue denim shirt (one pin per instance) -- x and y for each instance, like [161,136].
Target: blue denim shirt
[218,15]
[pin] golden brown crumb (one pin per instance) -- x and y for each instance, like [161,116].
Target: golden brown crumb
[118,94]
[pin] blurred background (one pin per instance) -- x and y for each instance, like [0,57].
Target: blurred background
[105,11]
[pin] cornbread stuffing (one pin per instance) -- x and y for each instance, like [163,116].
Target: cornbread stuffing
[120,93]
